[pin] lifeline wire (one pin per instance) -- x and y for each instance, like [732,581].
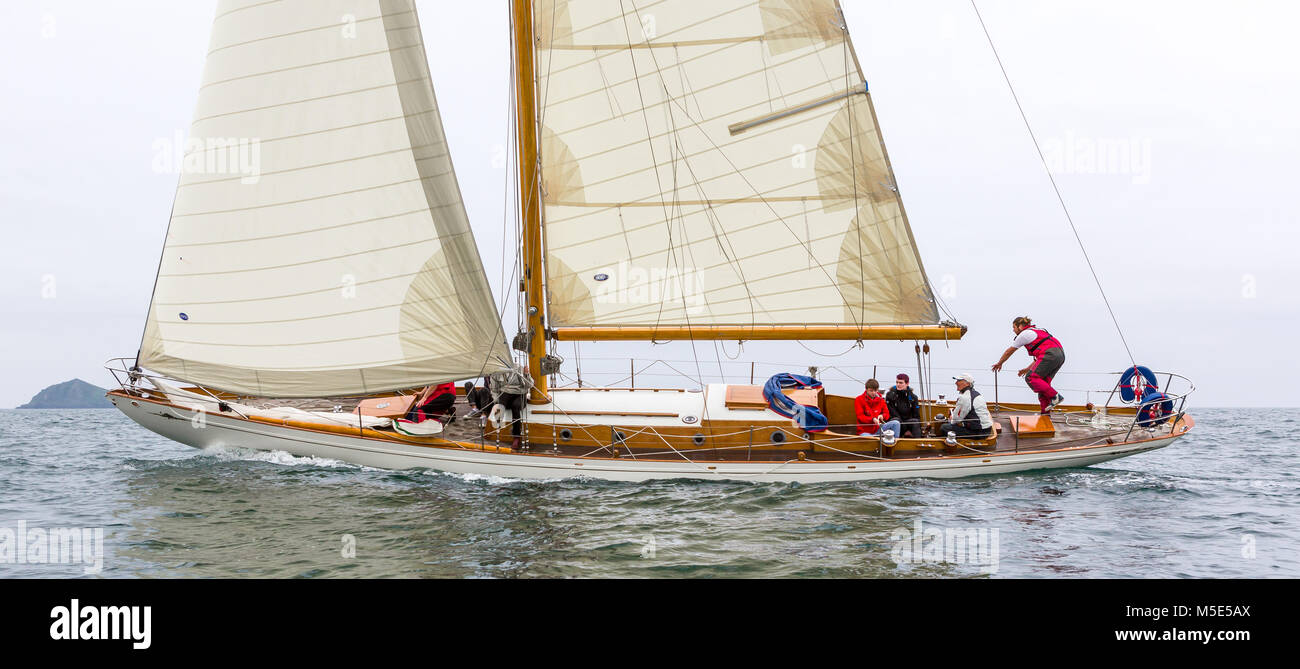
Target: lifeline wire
[1059,197]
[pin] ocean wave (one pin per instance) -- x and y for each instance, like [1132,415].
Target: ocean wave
[230,454]
[180,512]
[483,478]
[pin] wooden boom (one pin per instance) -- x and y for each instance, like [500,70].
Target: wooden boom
[759,332]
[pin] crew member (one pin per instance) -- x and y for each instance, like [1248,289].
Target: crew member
[971,417]
[1048,357]
[904,407]
[479,397]
[873,412]
[439,405]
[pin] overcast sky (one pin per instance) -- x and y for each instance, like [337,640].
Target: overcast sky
[1172,126]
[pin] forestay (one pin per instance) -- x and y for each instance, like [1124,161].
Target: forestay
[716,163]
[337,258]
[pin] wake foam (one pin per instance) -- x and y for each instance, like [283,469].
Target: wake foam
[232,453]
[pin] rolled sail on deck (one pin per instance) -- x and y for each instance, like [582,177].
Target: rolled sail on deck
[331,253]
[714,164]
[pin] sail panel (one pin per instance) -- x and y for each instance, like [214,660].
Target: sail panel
[716,164]
[328,251]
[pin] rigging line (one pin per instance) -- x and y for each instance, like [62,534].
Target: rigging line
[622,225]
[162,254]
[735,169]
[577,361]
[853,163]
[535,187]
[675,134]
[487,359]
[534,191]
[709,209]
[507,218]
[609,94]
[672,123]
[740,350]
[1052,178]
[721,237]
[513,209]
[857,66]
[636,78]
[681,79]
[778,217]
[717,354]
[827,355]
[938,300]
[550,61]
[849,69]
[728,251]
[767,76]
[506,227]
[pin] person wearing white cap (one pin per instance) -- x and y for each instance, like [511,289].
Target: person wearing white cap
[971,417]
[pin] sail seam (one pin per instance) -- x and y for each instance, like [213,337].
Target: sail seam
[265,141]
[331,289]
[240,9]
[315,261]
[710,87]
[300,232]
[332,61]
[387,365]
[891,300]
[326,164]
[656,45]
[318,197]
[382,307]
[753,226]
[332,26]
[761,197]
[280,105]
[704,152]
[264,344]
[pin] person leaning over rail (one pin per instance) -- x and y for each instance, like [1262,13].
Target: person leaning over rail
[1048,356]
[971,417]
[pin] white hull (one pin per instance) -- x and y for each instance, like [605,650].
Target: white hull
[219,431]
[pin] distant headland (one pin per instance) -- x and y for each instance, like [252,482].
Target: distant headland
[74,394]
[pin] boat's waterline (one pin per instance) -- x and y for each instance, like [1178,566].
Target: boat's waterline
[218,431]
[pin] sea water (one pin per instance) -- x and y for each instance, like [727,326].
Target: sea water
[1221,502]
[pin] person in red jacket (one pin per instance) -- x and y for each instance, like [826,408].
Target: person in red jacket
[873,412]
[439,405]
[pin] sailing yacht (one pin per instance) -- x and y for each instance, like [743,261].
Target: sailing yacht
[687,171]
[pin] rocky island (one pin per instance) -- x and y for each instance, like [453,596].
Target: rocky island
[74,394]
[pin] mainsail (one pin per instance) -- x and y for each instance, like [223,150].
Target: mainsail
[713,164]
[345,262]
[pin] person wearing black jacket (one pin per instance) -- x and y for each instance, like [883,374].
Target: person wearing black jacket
[479,397]
[905,407]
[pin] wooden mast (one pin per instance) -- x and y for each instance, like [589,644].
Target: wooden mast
[530,192]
